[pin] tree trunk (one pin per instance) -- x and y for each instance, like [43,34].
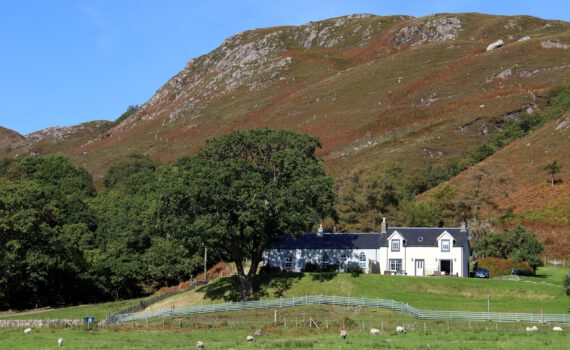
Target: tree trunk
[246,280]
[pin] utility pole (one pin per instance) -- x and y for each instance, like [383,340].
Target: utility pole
[205,264]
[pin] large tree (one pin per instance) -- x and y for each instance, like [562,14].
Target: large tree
[250,187]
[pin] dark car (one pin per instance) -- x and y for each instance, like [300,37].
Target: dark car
[481,273]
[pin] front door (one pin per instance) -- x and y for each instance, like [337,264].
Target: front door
[420,267]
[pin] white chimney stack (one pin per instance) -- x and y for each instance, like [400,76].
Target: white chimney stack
[320,231]
[383,226]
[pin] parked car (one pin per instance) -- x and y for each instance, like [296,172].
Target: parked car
[481,273]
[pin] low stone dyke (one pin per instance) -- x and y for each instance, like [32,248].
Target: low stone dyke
[39,323]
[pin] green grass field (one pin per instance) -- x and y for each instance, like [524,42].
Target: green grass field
[282,339]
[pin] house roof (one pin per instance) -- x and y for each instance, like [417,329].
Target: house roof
[428,238]
[328,241]
[428,235]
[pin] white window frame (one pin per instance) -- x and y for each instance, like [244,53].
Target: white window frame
[397,249]
[362,260]
[323,260]
[343,257]
[394,264]
[444,243]
[289,262]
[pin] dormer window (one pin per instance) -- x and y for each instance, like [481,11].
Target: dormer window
[395,245]
[420,239]
[445,245]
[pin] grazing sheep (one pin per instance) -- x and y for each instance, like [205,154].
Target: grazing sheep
[343,334]
[250,339]
[532,329]
[199,344]
[60,342]
[28,331]
[401,329]
[258,332]
[557,329]
[374,331]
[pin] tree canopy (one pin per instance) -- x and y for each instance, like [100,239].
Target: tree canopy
[249,187]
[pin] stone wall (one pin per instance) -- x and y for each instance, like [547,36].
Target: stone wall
[39,323]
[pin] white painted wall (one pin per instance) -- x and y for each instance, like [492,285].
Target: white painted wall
[277,257]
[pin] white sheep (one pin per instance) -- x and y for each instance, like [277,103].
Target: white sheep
[28,331]
[343,334]
[199,344]
[60,342]
[250,339]
[258,332]
[532,329]
[557,329]
[374,331]
[401,329]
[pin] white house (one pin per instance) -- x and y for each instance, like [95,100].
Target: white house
[415,251]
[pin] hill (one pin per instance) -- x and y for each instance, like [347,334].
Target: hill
[376,90]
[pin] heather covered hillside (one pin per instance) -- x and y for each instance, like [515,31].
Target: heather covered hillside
[393,100]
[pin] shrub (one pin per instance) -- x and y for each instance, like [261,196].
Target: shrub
[500,267]
[311,267]
[566,284]
[329,268]
[269,269]
[355,271]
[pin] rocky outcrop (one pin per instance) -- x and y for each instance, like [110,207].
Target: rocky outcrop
[552,44]
[497,44]
[431,30]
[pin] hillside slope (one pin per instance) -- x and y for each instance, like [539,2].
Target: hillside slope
[372,88]
[416,91]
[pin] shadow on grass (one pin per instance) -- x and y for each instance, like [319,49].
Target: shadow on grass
[228,289]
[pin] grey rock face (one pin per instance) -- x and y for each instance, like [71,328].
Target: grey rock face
[497,44]
[429,31]
[551,44]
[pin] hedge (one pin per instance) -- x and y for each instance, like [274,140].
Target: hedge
[501,267]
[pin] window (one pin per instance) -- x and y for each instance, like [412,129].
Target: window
[445,245]
[395,245]
[325,259]
[362,260]
[343,258]
[395,264]
[289,262]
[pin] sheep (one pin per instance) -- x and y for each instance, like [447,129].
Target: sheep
[374,331]
[258,332]
[532,329]
[60,342]
[28,331]
[200,344]
[401,329]
[557,329]
[343,334]
[250,339]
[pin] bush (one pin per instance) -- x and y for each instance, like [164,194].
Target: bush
[355,271]
[501,267]
[329,268]
[269,269]
[311,267]
[566,284]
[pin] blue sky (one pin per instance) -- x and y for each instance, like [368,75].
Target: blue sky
[63,62]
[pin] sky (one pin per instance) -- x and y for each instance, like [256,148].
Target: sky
[63,62]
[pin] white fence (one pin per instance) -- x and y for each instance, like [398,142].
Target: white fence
[438,315]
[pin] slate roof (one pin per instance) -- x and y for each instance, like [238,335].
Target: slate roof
[328,241]
[429,235]
[369,240]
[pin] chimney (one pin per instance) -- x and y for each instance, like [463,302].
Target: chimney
[383,226]
[463,227]
[320,231]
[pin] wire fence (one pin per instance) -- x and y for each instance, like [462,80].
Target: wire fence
[434,315]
